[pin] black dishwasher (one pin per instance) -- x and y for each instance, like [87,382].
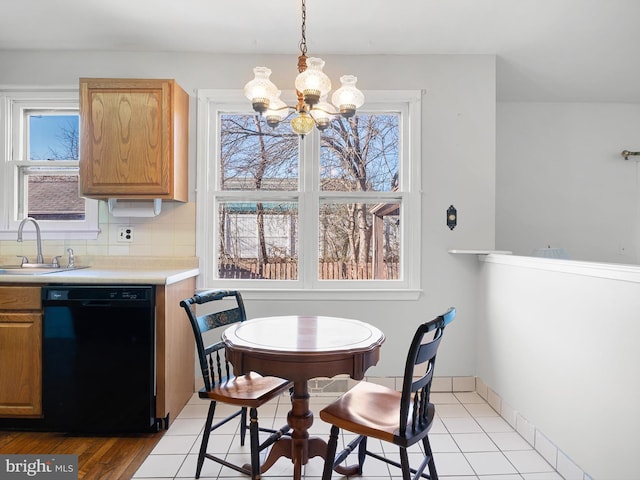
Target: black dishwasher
[99,358]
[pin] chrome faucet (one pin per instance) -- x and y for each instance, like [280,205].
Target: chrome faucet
[39,259]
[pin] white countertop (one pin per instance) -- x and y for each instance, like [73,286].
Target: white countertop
[117,270]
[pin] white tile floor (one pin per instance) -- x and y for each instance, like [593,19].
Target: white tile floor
[469,439]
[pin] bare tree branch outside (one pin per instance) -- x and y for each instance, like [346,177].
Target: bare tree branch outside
[360,154]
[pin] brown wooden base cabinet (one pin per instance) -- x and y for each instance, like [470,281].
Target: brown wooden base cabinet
[175,349]
[20,351]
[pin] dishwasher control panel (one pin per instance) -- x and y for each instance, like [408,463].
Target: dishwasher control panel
[101,292]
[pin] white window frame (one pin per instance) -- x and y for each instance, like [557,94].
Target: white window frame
[13,142]
[210,104]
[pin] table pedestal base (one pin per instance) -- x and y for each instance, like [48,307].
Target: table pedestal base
[300,448]
[284,447]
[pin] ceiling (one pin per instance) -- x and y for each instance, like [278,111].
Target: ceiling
[549,50]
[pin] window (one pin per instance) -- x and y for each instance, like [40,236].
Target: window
[336,211]
[40,140]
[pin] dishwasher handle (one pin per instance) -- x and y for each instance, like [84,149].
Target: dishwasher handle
[96,303]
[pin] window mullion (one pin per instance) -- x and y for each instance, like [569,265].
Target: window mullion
[308,214]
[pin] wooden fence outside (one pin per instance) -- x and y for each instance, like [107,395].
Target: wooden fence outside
[289,271]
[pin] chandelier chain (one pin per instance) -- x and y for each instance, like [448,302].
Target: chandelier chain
[303,28]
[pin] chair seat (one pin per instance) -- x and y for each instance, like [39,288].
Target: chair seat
[372,410]
[250,390]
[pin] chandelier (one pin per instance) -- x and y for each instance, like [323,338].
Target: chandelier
[312,88]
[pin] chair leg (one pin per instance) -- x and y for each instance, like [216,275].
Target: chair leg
[433,475]
[362,453]
[254,439]
[332,447]
[243,425]
[404,463]
[205,438]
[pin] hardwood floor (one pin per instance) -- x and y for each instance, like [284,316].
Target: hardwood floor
[99,457]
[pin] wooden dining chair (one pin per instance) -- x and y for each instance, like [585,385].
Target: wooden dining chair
[401,418]
[248,391]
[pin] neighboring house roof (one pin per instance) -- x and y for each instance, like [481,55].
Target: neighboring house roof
[54,194]
[268,183]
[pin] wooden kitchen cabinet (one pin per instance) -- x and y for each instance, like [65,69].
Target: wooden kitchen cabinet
[20,351]
[175,350]
[134,139]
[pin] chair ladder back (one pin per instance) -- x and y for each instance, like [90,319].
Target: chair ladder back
[211,321]
[416,391]
[217,369]
[220,318]
[209,357]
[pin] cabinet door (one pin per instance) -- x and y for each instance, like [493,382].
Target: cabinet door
[20,351]
[20,364]
[129,146]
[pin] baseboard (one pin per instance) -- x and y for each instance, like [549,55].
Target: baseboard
[534,436]
[531,434]
[341,383]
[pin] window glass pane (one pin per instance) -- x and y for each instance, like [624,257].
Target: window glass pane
[255,157]
[52,137]
[258,240]
[54,197]
[359,241]
[360,154]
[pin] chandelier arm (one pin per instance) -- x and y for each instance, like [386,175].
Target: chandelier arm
[320,126]
[316,108]
[282,108]
[291,112]
[286,107]
[291,109]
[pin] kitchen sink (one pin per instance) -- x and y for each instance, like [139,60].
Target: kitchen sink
[19,270]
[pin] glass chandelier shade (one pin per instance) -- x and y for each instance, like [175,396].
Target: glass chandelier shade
[276,112]
[323,113]
[313,83]
[348,98]
[261,91]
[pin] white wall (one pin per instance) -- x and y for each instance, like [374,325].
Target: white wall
[561,181]
[458,167]
[558,341]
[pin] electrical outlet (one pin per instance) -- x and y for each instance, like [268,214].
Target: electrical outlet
[125,234]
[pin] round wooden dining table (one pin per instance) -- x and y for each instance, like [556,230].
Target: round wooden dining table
[299,348]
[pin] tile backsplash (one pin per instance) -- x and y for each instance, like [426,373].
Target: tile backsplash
[170,234]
